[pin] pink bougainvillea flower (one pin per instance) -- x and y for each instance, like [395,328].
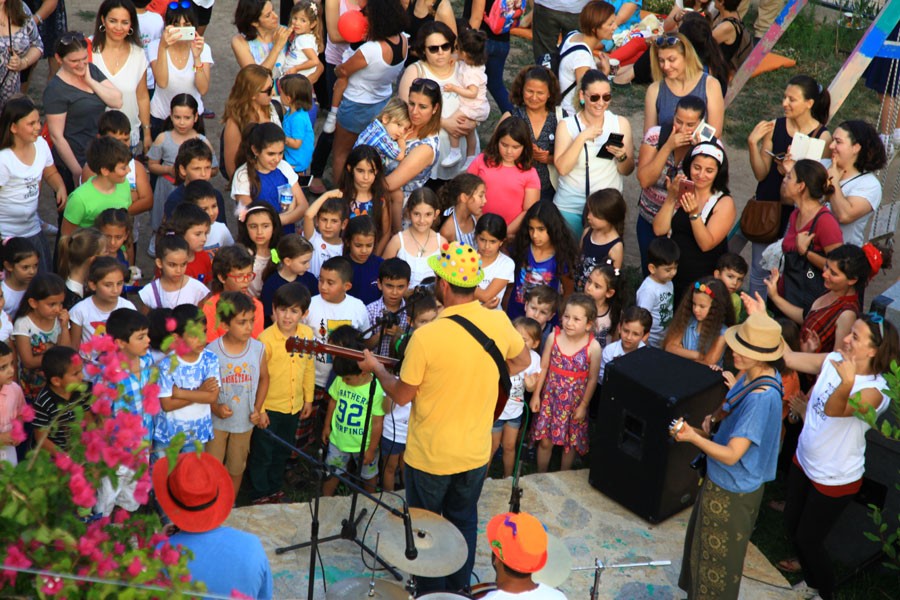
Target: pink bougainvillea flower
[26,413]
[101,407]
[142,489]
[18,432]
[169,555]
[135,568]
[106,565]
[151,398]
[51,585]
[15,557]
[63,461]
[171,324]
[82,493]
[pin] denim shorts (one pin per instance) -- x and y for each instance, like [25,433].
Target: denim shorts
[354,116]
[339,460]
[391,448]
[515,423]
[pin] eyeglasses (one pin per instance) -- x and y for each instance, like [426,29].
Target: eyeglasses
[598,97]
[268,91]
[185,4]
[445,47]
[667,41]
[704,289]
[879,320]
[242,277]
[423,83]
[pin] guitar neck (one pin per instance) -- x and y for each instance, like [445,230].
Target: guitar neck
[297,345]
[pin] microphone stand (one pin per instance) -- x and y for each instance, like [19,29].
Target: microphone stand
[313,543]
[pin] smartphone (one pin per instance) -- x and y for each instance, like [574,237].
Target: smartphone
[187,33]
[704,132]
[685,186]
[615,139]
[778,157]
[305,180]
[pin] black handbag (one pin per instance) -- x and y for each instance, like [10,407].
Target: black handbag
[803,281]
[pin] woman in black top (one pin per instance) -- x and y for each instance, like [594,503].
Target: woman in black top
[420,12]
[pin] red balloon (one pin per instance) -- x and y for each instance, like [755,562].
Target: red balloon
[353,26]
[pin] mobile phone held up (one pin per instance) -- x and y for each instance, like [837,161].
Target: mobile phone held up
[615,139]
[685,186]
[187,33]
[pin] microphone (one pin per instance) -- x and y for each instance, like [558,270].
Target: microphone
[411,552]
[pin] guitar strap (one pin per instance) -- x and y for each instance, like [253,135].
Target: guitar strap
[489,346]
[729,405]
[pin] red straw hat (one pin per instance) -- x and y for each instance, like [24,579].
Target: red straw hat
[197,495]
[519,540]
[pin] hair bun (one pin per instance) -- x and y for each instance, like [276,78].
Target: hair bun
[828,189]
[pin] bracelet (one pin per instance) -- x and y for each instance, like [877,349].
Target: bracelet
[694,217]
[622,158]
[198,67]
[38,18]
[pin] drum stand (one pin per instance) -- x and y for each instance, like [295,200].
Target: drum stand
[599,567]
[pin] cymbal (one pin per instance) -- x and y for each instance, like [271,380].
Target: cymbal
[559,563]
[358,587]
[442,548]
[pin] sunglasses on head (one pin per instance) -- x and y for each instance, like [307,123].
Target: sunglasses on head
[878,320]
[666,41]
[185,4]
[445,47]
[70,37]
[598,97]
[421,83]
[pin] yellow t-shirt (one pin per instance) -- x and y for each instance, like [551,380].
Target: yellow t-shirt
[292,378]
[452,413]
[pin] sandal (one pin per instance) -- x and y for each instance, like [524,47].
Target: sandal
[789,565]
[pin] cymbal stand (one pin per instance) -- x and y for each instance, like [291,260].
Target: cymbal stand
[350,482]
[599,567]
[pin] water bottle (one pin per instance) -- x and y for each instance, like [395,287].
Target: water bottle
[285,197]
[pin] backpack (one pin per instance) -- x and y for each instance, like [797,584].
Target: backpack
[503,16]
[744,43]
[552,60]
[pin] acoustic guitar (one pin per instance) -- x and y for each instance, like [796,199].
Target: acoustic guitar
[298,345]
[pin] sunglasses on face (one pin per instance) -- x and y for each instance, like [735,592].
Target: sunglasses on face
[445,47]
[667,41]
[185,4]
[598,97]
[268,91]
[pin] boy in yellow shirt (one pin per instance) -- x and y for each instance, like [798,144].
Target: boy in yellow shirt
[292,379]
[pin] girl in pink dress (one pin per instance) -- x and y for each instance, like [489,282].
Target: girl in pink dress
[569,370]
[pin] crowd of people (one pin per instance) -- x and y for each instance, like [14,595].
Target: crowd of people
[426,243]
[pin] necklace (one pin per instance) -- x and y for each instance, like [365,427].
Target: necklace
[421,246]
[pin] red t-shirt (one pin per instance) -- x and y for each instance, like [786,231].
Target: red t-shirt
[828,232]
[201,268]
[215,330]
[505,187]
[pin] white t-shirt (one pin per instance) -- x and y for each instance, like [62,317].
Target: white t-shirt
[13,299]
[502,268]
[396,424]
[6,327]
[832,450]
[576,59]
[219,236]
[516,402]
[240,183]
[20,189]
[373,83]
[151,25]
[126,80]
[90,318]
[866,186]
[192,292]
[541,592]
[659,299]
[324,317]
[180,81]
[612,351]
[295,56]
[322,251]
[25,327]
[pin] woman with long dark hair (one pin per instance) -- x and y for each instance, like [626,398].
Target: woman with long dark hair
[20,46]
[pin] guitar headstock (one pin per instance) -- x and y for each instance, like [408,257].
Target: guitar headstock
[299,345]
[676,425]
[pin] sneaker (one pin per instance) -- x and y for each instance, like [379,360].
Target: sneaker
[330,122]
[805,591]
[453,157]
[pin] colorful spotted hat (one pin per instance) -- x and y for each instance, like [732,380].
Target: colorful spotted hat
[458,264]
[519,540]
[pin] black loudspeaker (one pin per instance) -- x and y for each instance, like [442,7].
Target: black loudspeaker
[846,544]
[634,461]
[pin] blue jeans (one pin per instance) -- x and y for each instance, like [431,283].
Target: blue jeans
[455,497]
[497,52]
[645,235]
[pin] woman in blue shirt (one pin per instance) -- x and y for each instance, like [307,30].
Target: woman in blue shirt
[741,457]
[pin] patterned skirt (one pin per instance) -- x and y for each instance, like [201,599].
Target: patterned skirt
[715,543]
